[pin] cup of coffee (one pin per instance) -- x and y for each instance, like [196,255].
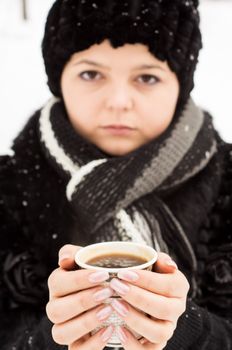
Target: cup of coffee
[112,257]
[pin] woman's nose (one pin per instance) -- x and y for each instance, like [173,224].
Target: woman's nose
[119,98]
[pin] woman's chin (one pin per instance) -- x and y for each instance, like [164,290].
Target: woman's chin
[117,150]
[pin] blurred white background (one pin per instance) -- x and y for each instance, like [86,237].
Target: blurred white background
[23,82]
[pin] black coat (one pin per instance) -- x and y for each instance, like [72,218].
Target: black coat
[36,220]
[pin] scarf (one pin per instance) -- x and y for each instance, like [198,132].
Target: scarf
[123,198]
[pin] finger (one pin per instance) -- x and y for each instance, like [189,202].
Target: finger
[84,338]
[156,305]
[70,331]
[96,342]
[80,341]
[62,282]
[129,341]
[164,264]
[67,256]
[60,310]
[156,331]
[171,285]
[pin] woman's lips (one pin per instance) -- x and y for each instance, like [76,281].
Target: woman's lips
[118,129]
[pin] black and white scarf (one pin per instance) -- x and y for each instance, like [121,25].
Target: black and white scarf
[121,198]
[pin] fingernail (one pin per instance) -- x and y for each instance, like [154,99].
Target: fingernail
[99,276]
[128,275]
[120,308]
[103,294]
[106,335]
[171,263]
[122,335]
[104,313]
[119,286]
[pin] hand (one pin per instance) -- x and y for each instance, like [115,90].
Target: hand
[151,304]
[75,304]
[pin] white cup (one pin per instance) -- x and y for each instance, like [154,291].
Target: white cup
[92,251]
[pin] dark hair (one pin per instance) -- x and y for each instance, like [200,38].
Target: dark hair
[170,29]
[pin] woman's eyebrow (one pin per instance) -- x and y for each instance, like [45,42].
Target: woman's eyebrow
[140,67]
[92,63]
[149,66]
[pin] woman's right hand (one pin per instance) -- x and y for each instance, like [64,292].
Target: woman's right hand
[76,304]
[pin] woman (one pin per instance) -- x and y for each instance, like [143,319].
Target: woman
[120,153]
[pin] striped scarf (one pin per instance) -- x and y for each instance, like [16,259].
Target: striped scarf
[122,198]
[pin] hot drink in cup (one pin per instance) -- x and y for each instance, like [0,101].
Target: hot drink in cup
[112,257]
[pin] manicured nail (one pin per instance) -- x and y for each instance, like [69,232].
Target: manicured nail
[172,263]
[103,294]
[122,335]
[104,313]
[128,275]
[120,308]
[106,335]
[99,276]
[119,287]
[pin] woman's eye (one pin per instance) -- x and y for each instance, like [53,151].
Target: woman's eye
[148,79]
[90,75]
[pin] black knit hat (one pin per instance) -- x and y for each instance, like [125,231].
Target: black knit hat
[170,29]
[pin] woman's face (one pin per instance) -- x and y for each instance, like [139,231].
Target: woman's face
[119,99]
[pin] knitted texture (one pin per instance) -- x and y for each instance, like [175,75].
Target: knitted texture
[170,29]
[124,195]
[36,219]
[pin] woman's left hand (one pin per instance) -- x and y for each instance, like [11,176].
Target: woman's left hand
[152,303]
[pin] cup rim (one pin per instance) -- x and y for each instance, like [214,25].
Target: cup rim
[115,270]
